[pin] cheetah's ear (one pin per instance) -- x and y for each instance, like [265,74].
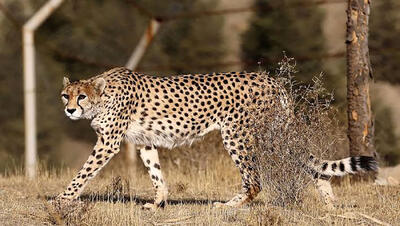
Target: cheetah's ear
[99,84]
[65,82]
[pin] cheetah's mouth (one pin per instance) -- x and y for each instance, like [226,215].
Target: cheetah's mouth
[73,116]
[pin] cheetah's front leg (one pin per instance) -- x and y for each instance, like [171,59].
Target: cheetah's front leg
[103,151]
[150,159]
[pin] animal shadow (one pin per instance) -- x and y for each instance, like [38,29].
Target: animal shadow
[138,200]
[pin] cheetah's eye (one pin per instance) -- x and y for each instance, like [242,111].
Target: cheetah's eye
[65,96]
[81,97]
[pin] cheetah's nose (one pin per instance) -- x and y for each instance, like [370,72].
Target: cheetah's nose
[71,110]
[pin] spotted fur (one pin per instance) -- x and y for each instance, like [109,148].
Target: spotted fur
[153,112]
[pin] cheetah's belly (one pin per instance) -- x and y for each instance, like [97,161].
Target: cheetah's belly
[139,135]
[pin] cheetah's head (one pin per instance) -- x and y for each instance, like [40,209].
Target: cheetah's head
[82,99]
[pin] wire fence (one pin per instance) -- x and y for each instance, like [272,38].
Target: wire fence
[88,60]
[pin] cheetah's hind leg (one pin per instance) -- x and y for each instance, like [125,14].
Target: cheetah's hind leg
[250,176]
[325,190]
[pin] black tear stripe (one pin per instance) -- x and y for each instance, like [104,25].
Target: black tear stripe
[324,166]
[334,166]
[341,165]
[353,164]
[77,102]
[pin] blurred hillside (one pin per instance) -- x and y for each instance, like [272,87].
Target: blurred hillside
[84,38]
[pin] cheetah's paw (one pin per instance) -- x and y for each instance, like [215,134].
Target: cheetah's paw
[219,205]
[154,207]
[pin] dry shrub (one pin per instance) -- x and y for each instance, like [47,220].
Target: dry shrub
[75,212]
[282,142]
[265,216]
[117,189]
[64,212]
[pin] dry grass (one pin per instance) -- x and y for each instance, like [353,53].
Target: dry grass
[110,201]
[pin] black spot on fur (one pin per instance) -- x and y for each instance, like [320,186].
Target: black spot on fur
[324,177]
[324,166]
[334,165]
[341,166]
[353,164]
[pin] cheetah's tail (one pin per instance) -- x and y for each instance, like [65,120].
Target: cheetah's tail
[350,165]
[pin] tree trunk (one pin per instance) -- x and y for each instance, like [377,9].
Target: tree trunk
[360,121]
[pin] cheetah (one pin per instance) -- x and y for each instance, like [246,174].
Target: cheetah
[153,111]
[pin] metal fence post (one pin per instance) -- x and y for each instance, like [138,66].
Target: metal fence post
[28,31]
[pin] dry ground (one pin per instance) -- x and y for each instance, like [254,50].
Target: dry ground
[192,190]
